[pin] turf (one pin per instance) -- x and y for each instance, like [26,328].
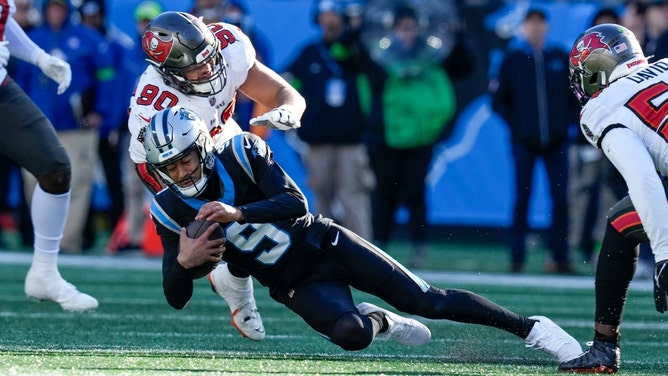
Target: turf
[134,331]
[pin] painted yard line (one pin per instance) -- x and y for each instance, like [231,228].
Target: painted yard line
[659,326]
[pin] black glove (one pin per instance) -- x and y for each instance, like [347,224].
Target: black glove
[661,285]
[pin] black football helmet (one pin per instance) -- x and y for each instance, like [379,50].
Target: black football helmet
[176,43]
[601,55]
[173,134]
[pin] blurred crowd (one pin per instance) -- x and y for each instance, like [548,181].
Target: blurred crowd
[382,90]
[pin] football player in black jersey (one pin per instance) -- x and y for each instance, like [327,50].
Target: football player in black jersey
[308,263]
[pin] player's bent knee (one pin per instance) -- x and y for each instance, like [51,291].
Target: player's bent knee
[56,182]
[350,332]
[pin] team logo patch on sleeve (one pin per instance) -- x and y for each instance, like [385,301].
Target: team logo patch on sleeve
[587,132]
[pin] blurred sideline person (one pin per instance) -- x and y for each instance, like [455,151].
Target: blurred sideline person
[416,103]
[80,113]
[30,140]
[210,11]
[656,22]
[633,18]
[623,115]
[204,66]
[130,234]
[539,111]
[326,71]
[309,263]
[94,15]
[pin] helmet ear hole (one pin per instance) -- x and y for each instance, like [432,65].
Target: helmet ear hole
[594,79]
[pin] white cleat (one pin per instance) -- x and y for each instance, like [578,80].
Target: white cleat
[246,319]
[549,337]
[238,293]
[401,329]
[51,286]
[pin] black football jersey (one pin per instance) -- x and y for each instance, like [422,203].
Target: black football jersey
[279,241]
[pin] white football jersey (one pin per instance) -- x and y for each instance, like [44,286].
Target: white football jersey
[628,121]
[152,94]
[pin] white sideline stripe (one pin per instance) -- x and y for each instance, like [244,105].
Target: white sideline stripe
[88,261]
[439,279]
[450,279]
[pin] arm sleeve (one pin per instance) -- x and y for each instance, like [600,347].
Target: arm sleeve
[20,45]
[177,285]
[629,155]
[177,282]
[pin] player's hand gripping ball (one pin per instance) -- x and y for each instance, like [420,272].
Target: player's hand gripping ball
[194,230]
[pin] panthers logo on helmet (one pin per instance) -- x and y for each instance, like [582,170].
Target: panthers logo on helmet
[588,44]
[156,48]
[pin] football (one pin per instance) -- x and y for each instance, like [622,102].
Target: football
[194,230]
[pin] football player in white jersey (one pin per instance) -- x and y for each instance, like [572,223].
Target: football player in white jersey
[29,139]
[624,113]
[201,67]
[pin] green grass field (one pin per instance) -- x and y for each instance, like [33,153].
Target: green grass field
[135,332]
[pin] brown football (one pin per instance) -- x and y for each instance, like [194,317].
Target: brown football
[194,230]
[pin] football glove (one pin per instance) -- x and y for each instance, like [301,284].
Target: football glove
[4,53]
[279,118]
[57,70]
[661,285]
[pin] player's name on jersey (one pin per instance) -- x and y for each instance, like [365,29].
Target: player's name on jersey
[651,71]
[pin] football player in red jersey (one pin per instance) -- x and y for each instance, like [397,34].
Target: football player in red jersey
[30,140]
[625,104]
[203,67]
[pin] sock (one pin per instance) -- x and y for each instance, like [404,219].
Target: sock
[378,318]
[49,213]
[526,327]
[610,339]
[235,290]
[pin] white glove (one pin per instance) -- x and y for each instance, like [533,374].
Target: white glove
[4,53]
[57,70]
[279,118]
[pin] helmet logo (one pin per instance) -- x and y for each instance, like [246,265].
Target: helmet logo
[156,48]
[588,44]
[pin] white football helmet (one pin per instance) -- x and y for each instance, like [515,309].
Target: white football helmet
[171,135]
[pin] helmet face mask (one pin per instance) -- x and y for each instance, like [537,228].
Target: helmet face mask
[177,135]
[601,55]
[177,43]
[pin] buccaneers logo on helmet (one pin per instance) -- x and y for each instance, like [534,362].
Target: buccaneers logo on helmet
[588,44]
[156,48]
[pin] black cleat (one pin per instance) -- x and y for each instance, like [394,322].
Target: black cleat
[601,357]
